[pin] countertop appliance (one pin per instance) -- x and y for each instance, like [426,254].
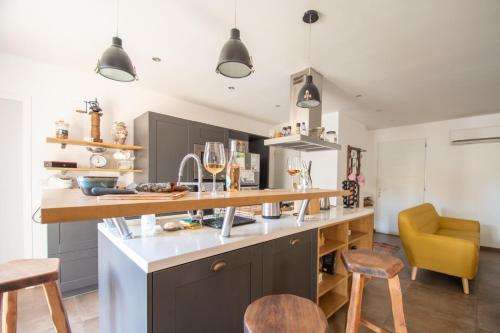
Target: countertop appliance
[271,210]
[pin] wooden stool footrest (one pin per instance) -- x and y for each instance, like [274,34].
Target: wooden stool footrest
[372,326]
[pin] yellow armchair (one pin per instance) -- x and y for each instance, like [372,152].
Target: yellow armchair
[441,244]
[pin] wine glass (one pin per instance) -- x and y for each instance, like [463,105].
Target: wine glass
[293,169]
[214,160]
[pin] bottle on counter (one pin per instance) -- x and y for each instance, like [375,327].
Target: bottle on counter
[232,170]
[297,128]
[303,129]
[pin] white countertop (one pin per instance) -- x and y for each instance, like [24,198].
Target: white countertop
[168,249]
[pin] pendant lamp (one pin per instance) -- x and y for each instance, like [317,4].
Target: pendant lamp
[309,96]
[234,59]
[115,64]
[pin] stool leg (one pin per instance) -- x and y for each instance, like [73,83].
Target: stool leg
[9,312]
[354,312]
[59,317]
[397,305]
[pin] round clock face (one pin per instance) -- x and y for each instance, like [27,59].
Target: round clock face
[98,161]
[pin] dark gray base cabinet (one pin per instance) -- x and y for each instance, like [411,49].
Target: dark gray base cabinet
[289,265]
[208,295]
[76,245]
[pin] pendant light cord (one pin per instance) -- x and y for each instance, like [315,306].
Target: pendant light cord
[117,15]
[309,47]
[235,13]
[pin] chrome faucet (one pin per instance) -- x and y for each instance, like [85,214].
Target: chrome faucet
[199,212]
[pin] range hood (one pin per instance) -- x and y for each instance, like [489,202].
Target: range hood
[310,116]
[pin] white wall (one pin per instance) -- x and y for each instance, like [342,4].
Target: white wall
[56,93]
[461,181]
[11,180]
[329,167]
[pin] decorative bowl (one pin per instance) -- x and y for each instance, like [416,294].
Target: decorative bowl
[87,183]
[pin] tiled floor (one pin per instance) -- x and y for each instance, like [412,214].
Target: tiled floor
[433,303]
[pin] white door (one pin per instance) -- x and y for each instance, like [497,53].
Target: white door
[400,181]
[11,173]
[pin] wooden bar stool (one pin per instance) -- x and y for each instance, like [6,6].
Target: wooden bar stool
[20,274]
[366,263]
[284,313]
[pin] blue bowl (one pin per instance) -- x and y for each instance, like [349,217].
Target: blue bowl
[87,183]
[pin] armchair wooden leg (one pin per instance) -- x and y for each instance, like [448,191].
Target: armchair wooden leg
[59,317]
[465,285]
[9,312]
[414,271]
[354,312]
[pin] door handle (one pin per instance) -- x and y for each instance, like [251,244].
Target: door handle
[294,241]
[218,265]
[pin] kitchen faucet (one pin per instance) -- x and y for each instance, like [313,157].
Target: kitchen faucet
[199,212]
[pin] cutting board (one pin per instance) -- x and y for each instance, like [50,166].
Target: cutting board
[144,196]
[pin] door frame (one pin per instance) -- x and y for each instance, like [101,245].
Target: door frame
[378,164]
[26,144]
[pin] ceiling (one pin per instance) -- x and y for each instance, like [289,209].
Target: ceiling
[411,61]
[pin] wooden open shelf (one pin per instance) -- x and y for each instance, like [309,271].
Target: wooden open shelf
[356,235]
[331,302]
[93,144]
[330,246]
[329,282]
[334,289]
[93,169]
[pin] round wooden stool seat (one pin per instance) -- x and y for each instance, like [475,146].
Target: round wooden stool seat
[284,313]
[19,274]
[372,264]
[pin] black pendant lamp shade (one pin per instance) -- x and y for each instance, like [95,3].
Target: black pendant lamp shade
[234,59]
[308,96]
[115,63]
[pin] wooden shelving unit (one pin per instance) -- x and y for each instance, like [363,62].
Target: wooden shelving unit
[356,235]
[330,246]
[92,169]
[334,289]
[72,142]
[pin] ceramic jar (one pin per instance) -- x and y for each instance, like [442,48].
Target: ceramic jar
[119,132]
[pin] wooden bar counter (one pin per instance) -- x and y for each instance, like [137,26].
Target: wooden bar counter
[60,206]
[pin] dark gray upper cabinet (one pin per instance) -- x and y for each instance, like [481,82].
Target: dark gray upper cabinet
[208,295]
[289,265]
[165,142]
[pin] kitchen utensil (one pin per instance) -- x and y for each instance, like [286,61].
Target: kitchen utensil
[104,190]
[317,132]
[324,203]
[145,196]
[87,183]
[271,210]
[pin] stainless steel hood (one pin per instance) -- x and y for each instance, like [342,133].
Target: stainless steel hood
[310,116]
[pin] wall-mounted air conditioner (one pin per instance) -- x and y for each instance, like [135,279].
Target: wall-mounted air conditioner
[475,135]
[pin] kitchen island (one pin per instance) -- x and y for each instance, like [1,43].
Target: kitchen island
[201,281]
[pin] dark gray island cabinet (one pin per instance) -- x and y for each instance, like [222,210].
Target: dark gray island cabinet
[206,295]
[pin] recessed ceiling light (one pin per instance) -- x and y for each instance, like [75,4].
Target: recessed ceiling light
[156,59]
[359,95]
[231,88]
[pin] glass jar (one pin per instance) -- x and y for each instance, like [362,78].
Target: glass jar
[62,129]
[331,136]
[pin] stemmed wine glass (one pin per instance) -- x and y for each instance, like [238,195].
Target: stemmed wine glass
[293,169]
[214,160]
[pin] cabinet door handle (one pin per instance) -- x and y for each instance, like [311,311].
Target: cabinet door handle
[294,241]
[218,265]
